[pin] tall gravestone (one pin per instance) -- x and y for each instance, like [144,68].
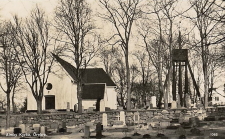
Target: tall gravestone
[104,119]
[102,105]
[153,101]
[98,130]
[86,132]
[136,117]
[43,130]
[122,117]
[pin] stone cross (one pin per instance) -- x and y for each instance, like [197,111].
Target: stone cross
[104,119]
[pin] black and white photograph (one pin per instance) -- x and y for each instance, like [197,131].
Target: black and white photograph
[112,69]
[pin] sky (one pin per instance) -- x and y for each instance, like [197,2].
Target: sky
[22,7]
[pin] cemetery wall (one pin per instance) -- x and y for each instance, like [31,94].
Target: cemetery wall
[113,117]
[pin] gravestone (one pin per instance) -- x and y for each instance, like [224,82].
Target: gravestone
[98,130]
[122,117]
[17,130]
[10,130]
[68,107]
[86,132]
[43,130]
[174,105]
[153,101]
[3,131]
[104,119]
[23,128]
[27,129]
[36,128]
[102,105]
[136,117]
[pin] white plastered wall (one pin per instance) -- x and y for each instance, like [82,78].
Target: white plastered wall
[110,97]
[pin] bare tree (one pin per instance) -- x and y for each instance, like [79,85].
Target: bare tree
[206,28]
[122,14]
[75,25]
[157,32]
[145,85]
[33,52]
[9,65]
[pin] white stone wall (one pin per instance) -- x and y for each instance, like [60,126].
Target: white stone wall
[88,103]
[63,89]
[221,98]
[110,97]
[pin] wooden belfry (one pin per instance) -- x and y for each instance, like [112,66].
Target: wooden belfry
[180,64]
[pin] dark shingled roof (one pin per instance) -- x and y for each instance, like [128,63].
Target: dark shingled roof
[89,75]
[93,91]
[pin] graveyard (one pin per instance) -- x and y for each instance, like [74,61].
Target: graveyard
[152,123]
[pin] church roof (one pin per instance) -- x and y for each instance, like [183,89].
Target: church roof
[93,91]
[89,75]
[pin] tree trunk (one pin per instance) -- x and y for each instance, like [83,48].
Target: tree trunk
[161,88]
[39,105]
[206,88]
[79,97]
[8,111]
[128,81]
[13,102]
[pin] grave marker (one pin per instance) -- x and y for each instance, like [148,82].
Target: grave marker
[136,117]
[87,132]
[104,119]
[36,128]
[23,128]
[153,101]
[122,117]
[3,131]
[102,105]
[174,105]
[68,107]
[43,130]
[98,130]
